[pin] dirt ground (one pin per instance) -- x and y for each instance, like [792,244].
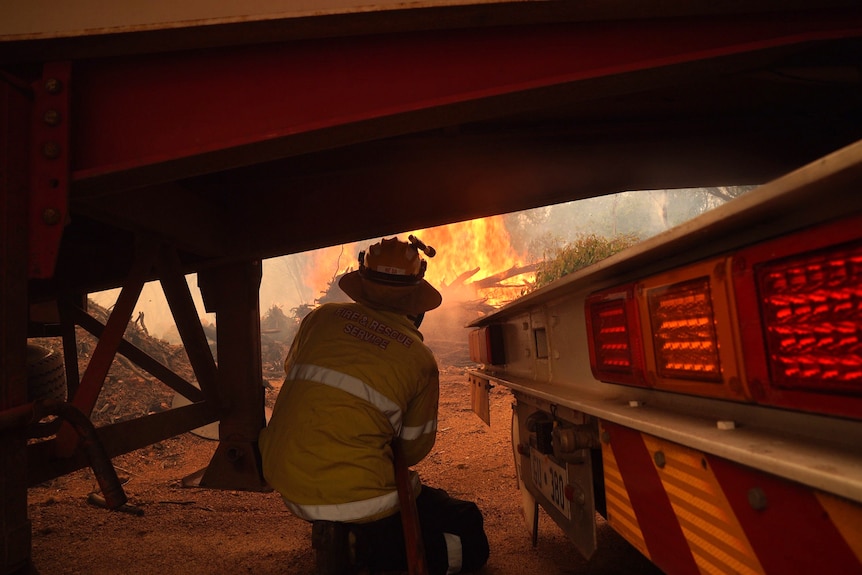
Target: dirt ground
[194,531]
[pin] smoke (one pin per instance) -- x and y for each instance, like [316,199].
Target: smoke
[468,253]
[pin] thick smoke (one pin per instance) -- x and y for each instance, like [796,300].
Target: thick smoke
[296,282]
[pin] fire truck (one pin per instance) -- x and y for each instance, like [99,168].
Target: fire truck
[702,390]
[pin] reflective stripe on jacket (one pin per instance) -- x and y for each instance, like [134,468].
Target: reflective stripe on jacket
[355,379]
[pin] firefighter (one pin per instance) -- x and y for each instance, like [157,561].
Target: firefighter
[358,378]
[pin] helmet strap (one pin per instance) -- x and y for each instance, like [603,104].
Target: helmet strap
[417,319]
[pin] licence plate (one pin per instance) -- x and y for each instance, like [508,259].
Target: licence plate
[551,479]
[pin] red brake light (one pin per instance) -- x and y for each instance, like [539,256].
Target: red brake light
[810,307]
[613,328]
[800,307]
[486,345]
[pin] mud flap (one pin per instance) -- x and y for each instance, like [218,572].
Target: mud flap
[529,507]
[480,398]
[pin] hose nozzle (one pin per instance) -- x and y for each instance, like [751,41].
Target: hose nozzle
[420,245]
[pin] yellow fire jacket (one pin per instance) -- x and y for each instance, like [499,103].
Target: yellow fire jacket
[356,378]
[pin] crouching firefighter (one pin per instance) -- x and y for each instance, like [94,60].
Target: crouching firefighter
[359,379]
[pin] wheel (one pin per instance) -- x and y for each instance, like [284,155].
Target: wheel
[46,374]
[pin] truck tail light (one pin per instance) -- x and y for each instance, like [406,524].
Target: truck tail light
[487,346]
[690,333]
[613,327]
[811,311]
[683,331]
[802,295]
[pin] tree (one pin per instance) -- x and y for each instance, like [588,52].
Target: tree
[586,250]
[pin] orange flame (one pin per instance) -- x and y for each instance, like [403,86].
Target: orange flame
[325,264]
[470,251]
[467,252]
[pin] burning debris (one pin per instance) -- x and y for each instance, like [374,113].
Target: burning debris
[444,328]
[477,245]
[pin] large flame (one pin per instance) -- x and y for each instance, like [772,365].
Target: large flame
[468,255]
[472,254]
[324,265]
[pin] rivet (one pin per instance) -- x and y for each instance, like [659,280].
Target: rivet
[51,150]
[659,459]
[51,216]
[52,118]
[234,454]
[53,86]
[757,499]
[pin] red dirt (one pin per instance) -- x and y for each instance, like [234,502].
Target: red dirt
[194,531]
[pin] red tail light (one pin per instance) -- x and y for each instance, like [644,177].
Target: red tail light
[487,346]
[803,339]
[811,310]
[616,351]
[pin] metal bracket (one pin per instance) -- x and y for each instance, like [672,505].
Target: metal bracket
[50,167]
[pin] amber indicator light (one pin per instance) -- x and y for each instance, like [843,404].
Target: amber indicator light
[683,330]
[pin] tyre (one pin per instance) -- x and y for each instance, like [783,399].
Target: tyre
[46,374]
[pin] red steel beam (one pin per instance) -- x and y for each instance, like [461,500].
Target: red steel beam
[106,349]
[157,109]
[49,166]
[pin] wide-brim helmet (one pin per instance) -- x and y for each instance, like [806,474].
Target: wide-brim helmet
[391,277]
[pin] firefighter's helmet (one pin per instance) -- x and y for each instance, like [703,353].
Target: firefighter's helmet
[391,276]
[392,262]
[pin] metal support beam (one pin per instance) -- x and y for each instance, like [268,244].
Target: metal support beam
[140,357]
[65,306]
[232,292]
[118,438]
[103,356]
[160,118]
[188,323]
[15,531]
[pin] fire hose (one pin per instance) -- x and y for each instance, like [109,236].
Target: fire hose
[416,563]
[31,413]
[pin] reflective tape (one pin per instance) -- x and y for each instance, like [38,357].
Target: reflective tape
[353,510]
[358,388]
[352,385]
